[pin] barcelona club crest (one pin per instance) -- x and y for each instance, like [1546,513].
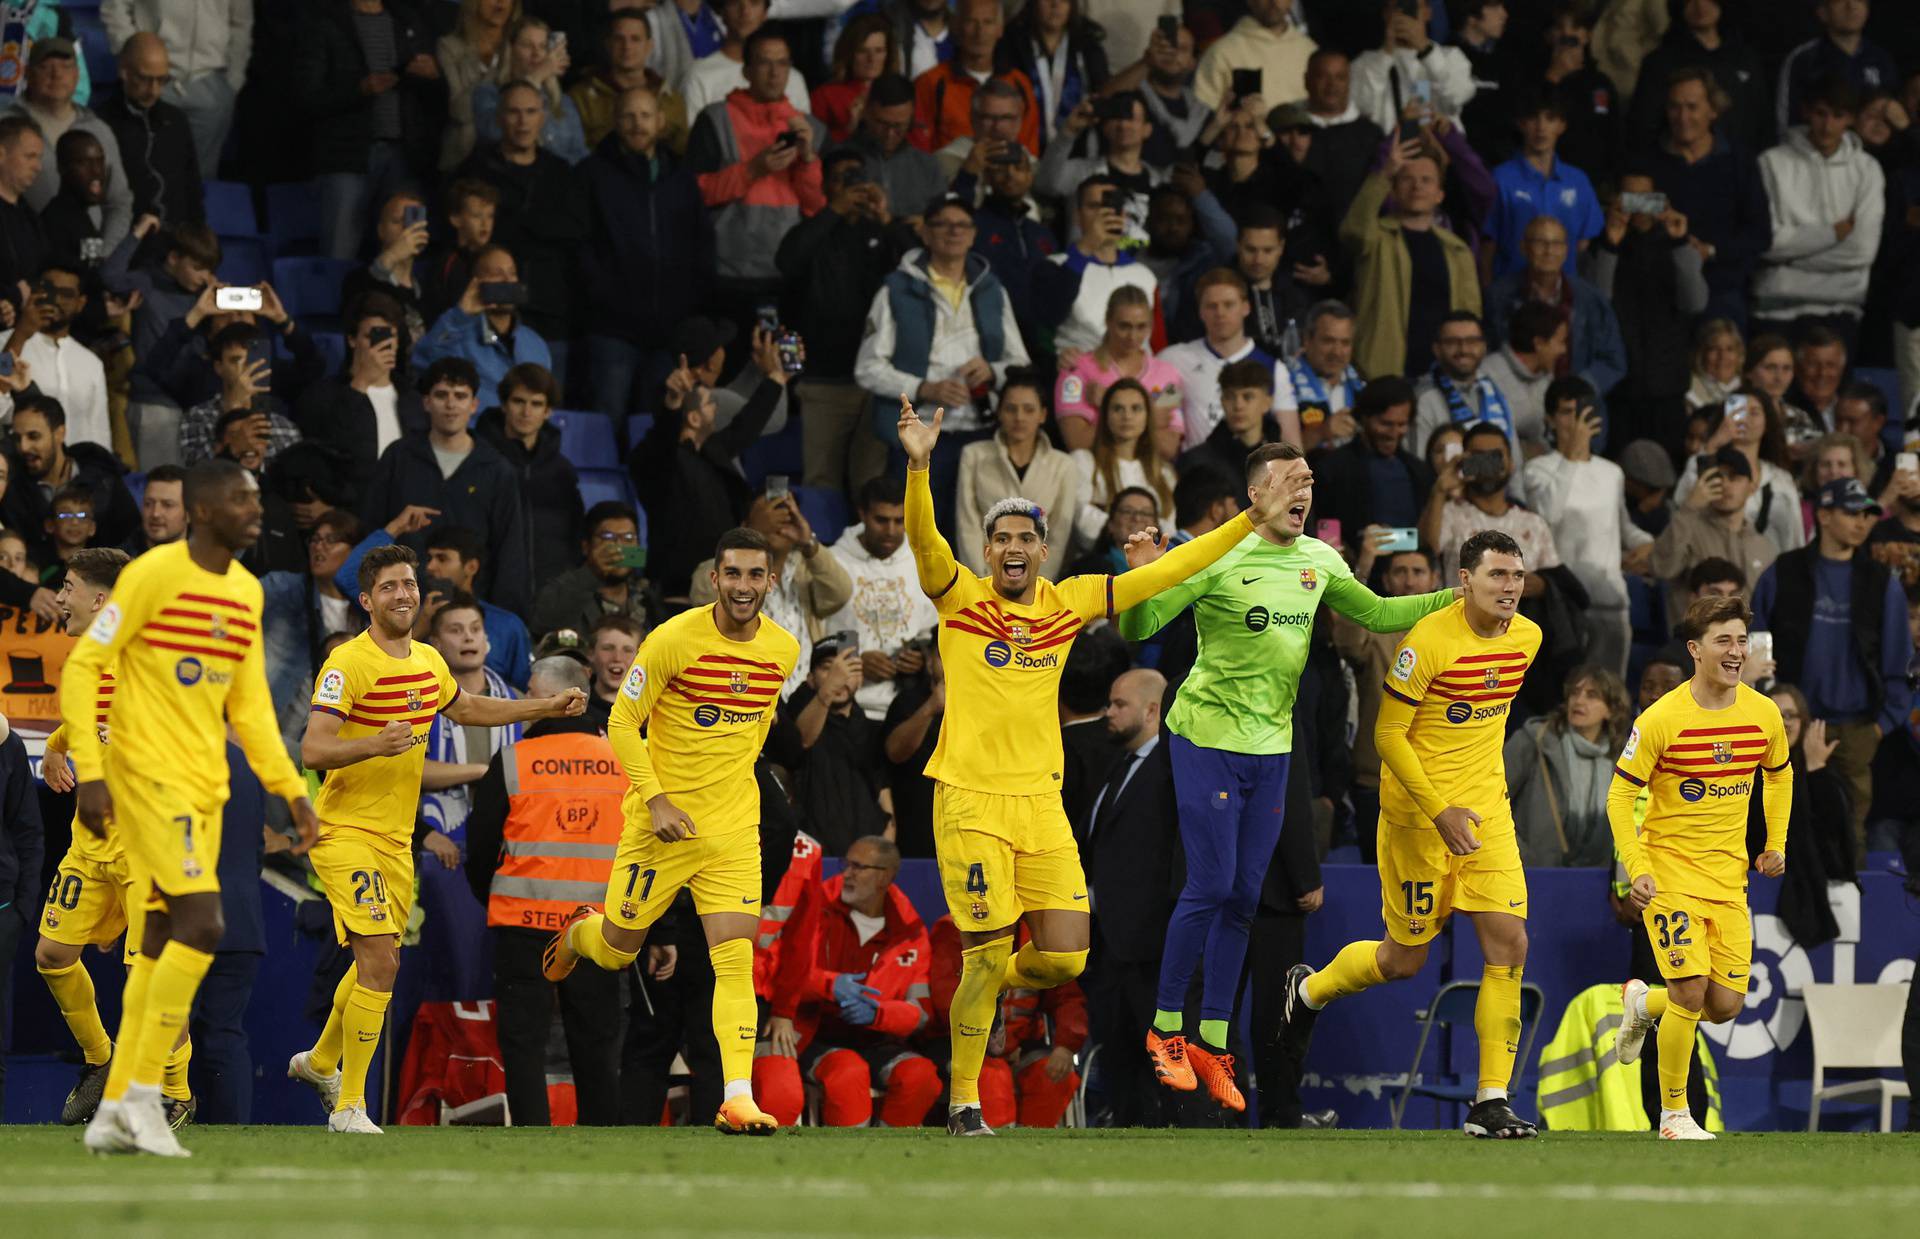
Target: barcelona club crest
[1309,579]
[413,700]
[1722,752]
[1021,633]
[979,910]
[217,628]
[1677,959]
[737,682]
[628,911]
[1491,679]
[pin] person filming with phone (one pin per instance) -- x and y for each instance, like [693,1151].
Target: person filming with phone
[61,366]
[484,327]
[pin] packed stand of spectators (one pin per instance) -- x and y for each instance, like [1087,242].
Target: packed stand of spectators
[604,280]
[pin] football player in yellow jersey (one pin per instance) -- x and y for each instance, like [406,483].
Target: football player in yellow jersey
[181,632]
[705,686]
[372,707]
[1699,750]
[1446,835]
[91,899]
[1005,848]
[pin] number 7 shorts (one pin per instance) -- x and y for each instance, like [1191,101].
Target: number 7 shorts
[724,872]
[1694,937]
[368,881]
[1004,856]
[172,838]
[1422,883]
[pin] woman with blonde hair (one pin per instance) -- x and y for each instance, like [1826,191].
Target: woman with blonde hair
[1836,455]
[1559,768]
[536,58]
[474,51]
[1124,454]
[1719,359]
[864,51]
[1123,353]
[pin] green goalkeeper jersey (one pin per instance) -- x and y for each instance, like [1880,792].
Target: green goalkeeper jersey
[1253,613]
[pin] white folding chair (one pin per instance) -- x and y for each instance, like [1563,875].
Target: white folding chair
[1855,1027]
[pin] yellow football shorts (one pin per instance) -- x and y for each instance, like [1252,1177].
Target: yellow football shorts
[724,872]
[172,840]
[92,903]
[1695,937]
[1422,883]
[368,882]
[1004,856]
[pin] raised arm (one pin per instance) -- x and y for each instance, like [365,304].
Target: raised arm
[932,556]
[1136,586]
[475,710]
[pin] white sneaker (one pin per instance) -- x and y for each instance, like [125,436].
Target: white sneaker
[1680,1126]
[354,1121]
[146,1120]
[300,1067]
[107,1132]
[1635,1024]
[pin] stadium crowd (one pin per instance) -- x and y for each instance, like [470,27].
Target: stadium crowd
[569,288]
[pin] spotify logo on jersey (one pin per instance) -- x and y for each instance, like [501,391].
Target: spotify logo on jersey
[1692,789]
[1258,618]
[1459,712]
[187,671]
[706,716]
[998,653]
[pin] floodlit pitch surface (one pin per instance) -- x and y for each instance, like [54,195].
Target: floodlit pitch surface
[1036,1185]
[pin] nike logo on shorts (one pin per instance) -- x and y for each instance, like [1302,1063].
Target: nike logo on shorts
[1735,976]
[749,899]
[1514,903]
[1081,895]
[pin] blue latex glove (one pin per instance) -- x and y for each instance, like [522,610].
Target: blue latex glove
[861,1012]
[858,1001]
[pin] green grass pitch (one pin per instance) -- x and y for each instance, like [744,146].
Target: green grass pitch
[277,1181]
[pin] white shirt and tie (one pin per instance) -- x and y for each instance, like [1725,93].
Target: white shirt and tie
[71,373]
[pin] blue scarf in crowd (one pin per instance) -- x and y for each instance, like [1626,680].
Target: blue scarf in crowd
[1493,405]
[1309,389]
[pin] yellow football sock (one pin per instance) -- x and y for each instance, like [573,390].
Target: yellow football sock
[176,975]
[1496,1020]
[736,1016]
[982,968]
[365,1015]
[72,989]
[174,1077]
[1675,1039]
[1033,968]
[1355,968]
[588,940]
[133,1009]
[1656,1002]
[324,1057]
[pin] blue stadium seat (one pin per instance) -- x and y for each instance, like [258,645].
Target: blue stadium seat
[243,260]
[779,453]
[293,218]
[825,509]
[1888,381]
[309,286]
[587,439]
[639,425]
[333,348]
[137,484]
[1453,1007]
[230,209]
[91,34]
[600,485]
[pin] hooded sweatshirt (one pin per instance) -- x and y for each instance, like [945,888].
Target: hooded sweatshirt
[1808,270]
[750,214]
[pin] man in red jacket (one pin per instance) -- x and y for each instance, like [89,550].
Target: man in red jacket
[849,988]
[1029,1075]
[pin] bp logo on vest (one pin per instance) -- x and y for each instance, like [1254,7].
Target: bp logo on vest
[998,653]
[1693,789]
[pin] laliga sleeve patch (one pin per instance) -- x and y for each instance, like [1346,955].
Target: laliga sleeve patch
[1403,664]
[106,624]
[1633,745]
[333,686]
[636,680]
[1072,389]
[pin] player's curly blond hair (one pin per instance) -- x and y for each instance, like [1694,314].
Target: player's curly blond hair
[1014,505]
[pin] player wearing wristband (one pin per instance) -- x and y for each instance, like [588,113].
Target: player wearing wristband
[1447,841]
[1005,849]
[1697,750]
[1232,726]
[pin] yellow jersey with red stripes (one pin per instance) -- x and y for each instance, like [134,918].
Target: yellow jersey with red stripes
[86,844]
[1461,686]
[1701,767]
[366,688]
[707,702]
[184,647]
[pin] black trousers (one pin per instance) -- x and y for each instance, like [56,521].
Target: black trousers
[221,1073]
[12,928]
[1120,1006]
[589,1014]
[1278,943]
[667,1018]
[1646,967]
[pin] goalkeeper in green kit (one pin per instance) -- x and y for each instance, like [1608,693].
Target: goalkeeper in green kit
[1232,734]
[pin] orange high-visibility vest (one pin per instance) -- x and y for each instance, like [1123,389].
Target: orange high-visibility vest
[563,826]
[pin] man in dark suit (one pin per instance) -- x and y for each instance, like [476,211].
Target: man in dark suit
[222,1069]
[1131,852]
[1373,479]
[1096,659]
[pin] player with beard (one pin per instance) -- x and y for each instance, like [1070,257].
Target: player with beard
[373,704]
[1696,750]
[704,685]
[1232,735]
[1005,848]
[1447,839]
[181,632]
